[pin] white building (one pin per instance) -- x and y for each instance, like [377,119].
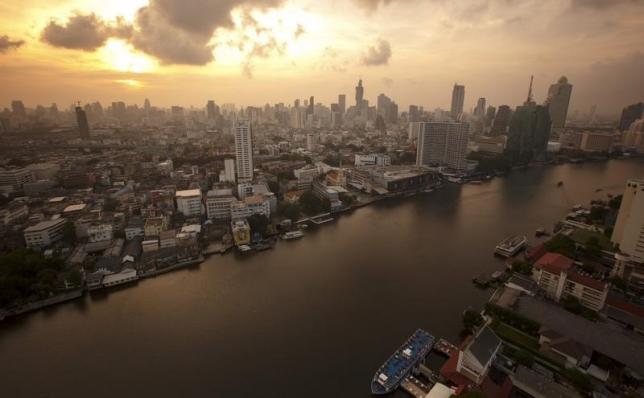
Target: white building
[228,173]
[15,177]
[44,233]
[475,361]
[443,144]
[218,203]
[239,211]
[99,232]
[628,233]
[414,130]
[374,159]
[189,202]
[259,204]
[311,142]
[244,151]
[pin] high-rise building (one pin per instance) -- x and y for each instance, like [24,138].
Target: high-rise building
[558,101]
[311,142]
[628,233]
[528,133]
[458,100]
[414,114]
[342,103]
[81,120]
[147,107]
[211,110]
[489,115]
[502,119]
[630,114]
[382,104]
[243,151]
[228,173]
[442,144]
[479,111]
[311,108]
[118,110]
[359,94]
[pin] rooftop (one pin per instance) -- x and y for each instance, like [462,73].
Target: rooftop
[554,263]
[73,208]
[41,226]
[188,193]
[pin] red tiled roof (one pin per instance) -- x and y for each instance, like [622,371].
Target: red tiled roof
[586,281]
[626,306]
[535,252]
[449,372]
[554,263]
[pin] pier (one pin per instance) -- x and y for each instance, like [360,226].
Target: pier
[414,387]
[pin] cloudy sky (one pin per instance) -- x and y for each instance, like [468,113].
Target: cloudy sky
[253,52]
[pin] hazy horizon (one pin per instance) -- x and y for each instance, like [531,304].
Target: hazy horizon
[268,51]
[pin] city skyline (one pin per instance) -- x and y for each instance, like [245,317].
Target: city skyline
[300,48]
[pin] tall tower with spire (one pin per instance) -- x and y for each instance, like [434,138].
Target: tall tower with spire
[530,100]
[359,94]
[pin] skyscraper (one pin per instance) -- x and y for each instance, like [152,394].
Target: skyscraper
[629,227]
[414,113]
[443,144]
[489,115]
[558,101]
[311,108]
[502,119]
[243,151]
[211,110]
[146,107]
[479,111]
[528,133]
[342,102]
[81,120]
[458,99]
[359,94]
[630,114]
[530,100]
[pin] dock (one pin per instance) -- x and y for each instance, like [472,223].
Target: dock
[445,347]
[414,387]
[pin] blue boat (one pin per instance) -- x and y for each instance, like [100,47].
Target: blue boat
[389,376]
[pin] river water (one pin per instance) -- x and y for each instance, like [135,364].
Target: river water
[314,317]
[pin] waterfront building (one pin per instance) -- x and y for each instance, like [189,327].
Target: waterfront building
[475,360]
[587,141]
[633,139]
[241,232]
[243,151]
[630,114]
[443,144]
[218,202]
[502,120]
[134,228]
[44,233]
[628,233]
[491,145]
[258,204]
[189,202]
[556,276]
[529,133]
[558,101]
[458,100]
[167,239]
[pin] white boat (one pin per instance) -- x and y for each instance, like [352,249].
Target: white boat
[244,248]
[455,180]
[292,235]
[511,246]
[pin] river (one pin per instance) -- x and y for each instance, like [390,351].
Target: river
[314,317]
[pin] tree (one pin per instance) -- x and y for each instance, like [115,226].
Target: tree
[578,379]
[593,248]
[258,223]
[312,205]
[524,358]
[615,202]
[289,210]
[561,244]
[110,204]
[69,233]
[472,320]
[347,199]
[522,267]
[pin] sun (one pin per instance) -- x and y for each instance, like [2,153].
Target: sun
[122,57]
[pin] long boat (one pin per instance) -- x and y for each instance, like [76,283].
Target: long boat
[389,376]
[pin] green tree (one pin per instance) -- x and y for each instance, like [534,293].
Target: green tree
[312,205]
[561,244]
[522,267]
[524,358]
[110,204]
[593,248]
[69,233]
[578,379]
[258,223]
[472,320]
[289,210]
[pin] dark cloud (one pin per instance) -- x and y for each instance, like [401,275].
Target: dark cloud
[7,44]
[602,4]
[84,32]
[173,31]
[170,45]
[377,54]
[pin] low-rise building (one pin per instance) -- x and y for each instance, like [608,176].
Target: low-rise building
[475,360]
[154,226]
[14,212]
[134,228]
[241,232]
[189,202]
[373,159]
[99,232]
[557,277]
[44,233]
[167,239]
[218,202]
